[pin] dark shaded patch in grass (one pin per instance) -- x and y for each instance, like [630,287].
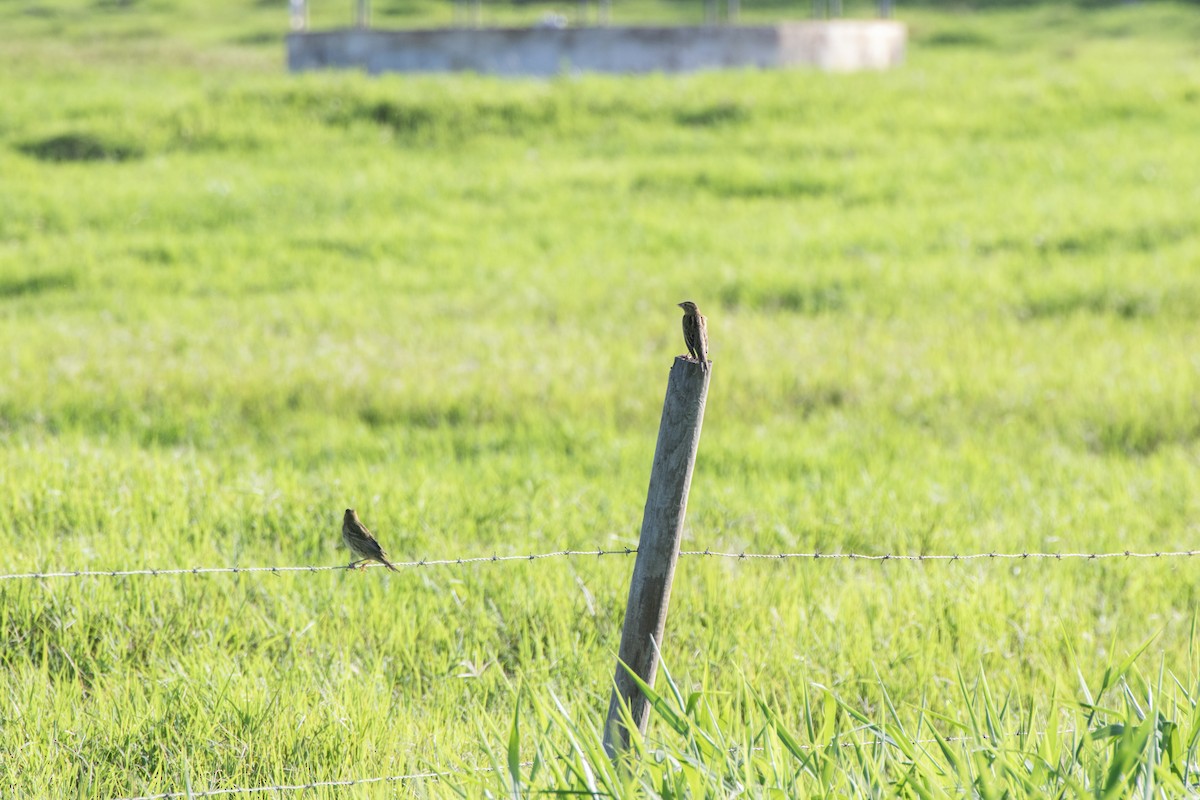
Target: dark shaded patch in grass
[36,284]
[435,121]
[855,197]
[428,417]
[213,124]
[157,254]
[712,116]
[767,187]
[808,300]
[1135,437]
[80,147]
[258,37]
[810,400]
[1101,302]
[338,245]
[1120,31]
[1128,303]
[958,38]
[1094,242]
[435,118]
[403,119]
[41,12]
[168,432]
[141,32]
[401,8]
[732,184]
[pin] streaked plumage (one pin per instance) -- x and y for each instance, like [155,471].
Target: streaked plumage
[695,332]
[361,542]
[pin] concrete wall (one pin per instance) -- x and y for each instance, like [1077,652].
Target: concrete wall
[835,45]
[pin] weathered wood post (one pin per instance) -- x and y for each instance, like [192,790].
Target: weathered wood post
[658,546]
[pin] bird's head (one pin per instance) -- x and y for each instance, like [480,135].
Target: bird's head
[350,514]
[689,307]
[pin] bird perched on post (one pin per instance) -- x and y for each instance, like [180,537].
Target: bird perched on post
[361,542]
[695,333]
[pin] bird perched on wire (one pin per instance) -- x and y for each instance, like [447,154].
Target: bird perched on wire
[695,333]
[361,542]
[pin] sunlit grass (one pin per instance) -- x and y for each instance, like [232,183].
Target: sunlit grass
[952,309]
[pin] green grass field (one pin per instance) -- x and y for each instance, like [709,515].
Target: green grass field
[953,308]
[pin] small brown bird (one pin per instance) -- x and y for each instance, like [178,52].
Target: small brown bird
[695,333]
[361,542]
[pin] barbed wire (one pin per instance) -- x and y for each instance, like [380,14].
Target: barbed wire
[425,562]
[945,556]
[599,552]
[301,787]
[436,775]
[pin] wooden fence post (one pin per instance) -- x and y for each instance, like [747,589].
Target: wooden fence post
[658,547]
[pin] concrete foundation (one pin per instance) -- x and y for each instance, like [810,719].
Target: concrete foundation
[841,45]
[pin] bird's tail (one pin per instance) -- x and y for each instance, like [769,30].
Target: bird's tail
[388,564]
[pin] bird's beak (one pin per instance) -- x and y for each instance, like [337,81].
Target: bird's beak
[679,304]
